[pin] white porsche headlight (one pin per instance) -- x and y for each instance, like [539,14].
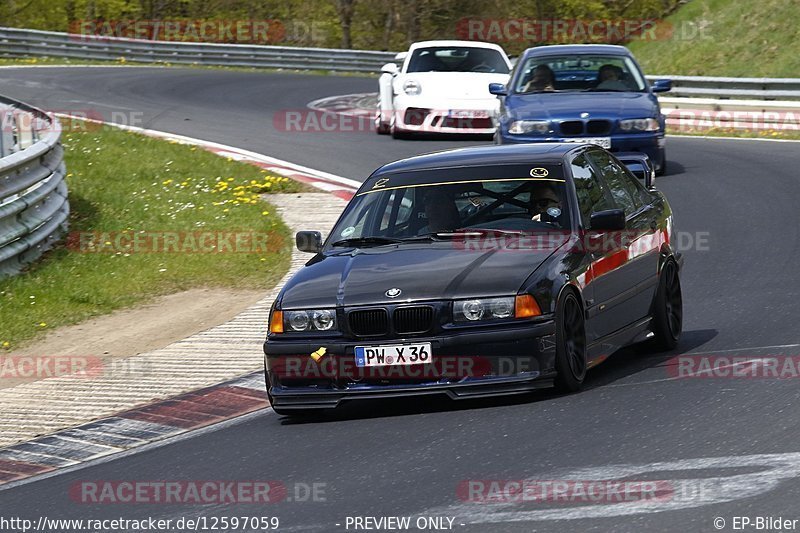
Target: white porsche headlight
[412,87]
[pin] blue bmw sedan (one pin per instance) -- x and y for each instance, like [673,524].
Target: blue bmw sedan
[584,94]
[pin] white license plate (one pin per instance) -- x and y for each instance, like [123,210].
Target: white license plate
[396,354]
[605,142]
[466,113]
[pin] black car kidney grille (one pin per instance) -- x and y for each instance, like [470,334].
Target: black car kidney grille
[369,322]
[413,319]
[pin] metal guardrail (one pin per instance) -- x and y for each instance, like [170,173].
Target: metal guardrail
[25,43]
[16,43]
[730,88]
[33,194]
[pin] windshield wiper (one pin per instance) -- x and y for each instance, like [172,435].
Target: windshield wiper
[365,241]
[483,231]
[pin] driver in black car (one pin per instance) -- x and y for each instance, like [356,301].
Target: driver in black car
[545,204]
[441,211]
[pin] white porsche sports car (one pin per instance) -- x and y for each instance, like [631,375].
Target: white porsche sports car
[441,87]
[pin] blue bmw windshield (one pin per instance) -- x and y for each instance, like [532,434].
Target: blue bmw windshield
[575,73]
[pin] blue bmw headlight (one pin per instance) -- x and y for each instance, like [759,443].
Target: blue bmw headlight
[639,124]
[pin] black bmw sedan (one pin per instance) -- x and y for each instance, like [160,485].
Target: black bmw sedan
[476,272]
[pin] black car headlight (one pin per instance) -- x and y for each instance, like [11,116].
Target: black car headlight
[309,320]
[506,308]
[639,124]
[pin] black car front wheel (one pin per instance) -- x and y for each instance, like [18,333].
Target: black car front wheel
[570,344]
[668,308]
[663,160]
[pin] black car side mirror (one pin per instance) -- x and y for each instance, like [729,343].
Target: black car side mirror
[608,220]
[309,241]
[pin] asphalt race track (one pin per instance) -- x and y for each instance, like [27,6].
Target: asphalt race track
[732,441]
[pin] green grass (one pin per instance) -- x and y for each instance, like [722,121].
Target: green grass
[744,134]
[742,38]
[125,182]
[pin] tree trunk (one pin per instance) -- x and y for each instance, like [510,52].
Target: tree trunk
[345,9]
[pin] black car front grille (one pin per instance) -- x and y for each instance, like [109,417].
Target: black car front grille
[413,319]
[369,322]
[598,127]
[572,127]
[404,321]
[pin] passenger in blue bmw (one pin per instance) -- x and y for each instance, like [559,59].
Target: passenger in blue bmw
[598,94]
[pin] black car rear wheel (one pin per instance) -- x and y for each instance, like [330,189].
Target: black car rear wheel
[668,308]
[570,344]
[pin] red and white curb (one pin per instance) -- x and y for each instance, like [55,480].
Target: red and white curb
[339,186]
[163,419]
[133,428]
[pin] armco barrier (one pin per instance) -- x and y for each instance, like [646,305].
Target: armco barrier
[25,43]
[15,43]
[33,194]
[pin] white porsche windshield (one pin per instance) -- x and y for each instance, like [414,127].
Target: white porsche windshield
[457,59]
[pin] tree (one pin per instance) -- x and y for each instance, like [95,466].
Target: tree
[345,10]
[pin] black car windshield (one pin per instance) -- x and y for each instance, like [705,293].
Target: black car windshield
[443,209]
[572,73]
[457,59]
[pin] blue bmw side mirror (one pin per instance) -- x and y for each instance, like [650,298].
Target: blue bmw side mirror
[498,89]
[662,86]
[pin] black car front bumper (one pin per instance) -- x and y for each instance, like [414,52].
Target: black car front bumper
[466,364]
